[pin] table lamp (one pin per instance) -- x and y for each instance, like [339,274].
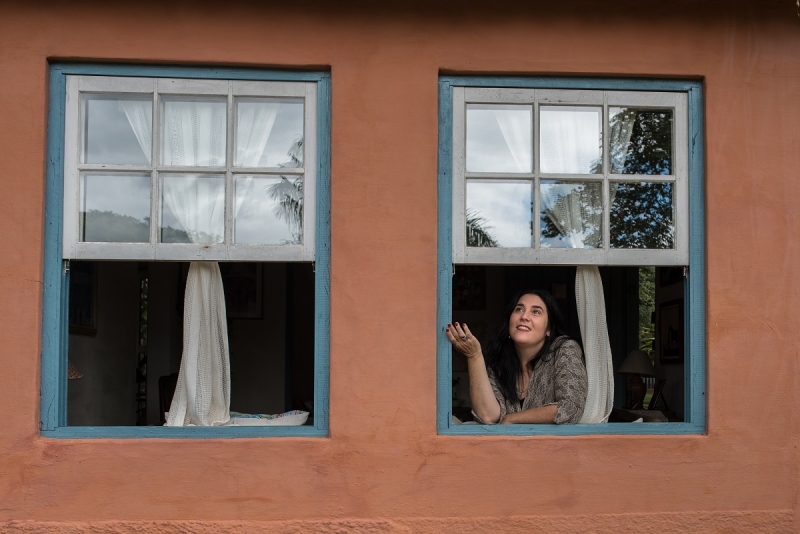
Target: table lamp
[637,365]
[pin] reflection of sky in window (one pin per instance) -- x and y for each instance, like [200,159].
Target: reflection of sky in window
[253,123]
[570,140]
[257,220]
[108,136]
[499,138]
[506,208]
[125,196]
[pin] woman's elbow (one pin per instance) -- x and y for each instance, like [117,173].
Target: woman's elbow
[569,413]
[487,415]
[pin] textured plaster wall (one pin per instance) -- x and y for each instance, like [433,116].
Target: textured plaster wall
[383,468]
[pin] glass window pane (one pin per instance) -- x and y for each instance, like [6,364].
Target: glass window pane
[193,131]
[117,130]
[640,141]
[115,207]
[499,138]
[571,214]
[269,133]
[641,215]
[268,210]
[499,213]
[193,208]
[571,140]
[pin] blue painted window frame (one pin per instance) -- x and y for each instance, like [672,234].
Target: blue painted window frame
[694,288]
[55,332]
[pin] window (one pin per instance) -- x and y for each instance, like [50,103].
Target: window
[540,176]
[153,168]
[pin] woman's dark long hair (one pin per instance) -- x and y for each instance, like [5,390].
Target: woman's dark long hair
[501,356]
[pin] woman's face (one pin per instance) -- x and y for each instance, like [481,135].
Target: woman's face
[527,325]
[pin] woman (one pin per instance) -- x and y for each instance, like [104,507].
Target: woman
[533,372]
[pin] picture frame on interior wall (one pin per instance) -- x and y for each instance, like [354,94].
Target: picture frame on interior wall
[670,331]
[243,289]
[469,287]
[83,301]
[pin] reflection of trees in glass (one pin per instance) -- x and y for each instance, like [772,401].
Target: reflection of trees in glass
[649,150]
[641,215]
[478,234]
[289,195]
[641,212]
[108,226]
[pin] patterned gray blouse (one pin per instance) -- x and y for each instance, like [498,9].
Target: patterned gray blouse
[559,377]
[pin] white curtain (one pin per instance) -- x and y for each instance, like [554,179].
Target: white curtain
[596,347]
[195,135]
[253,127]
[621,131]
[203,393]
[140,116]
[620,139]
[516,129]
[570,141]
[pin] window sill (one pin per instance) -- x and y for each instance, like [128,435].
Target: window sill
[637,429]
[162,432]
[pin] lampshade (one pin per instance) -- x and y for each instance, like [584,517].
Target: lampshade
[637,363]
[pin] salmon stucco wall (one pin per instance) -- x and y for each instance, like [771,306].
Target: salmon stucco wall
[384,468]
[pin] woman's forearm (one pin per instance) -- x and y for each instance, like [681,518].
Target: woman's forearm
[538,415]
[484,403]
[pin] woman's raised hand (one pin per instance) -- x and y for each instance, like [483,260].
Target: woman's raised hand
[463,340]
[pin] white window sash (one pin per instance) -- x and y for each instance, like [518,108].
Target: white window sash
[679,255]
[73,248]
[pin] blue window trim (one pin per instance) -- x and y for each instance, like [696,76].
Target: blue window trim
[55,336]
[694,289]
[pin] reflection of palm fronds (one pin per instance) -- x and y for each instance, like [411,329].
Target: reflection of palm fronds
[295,154]
[289,195]
[479,235]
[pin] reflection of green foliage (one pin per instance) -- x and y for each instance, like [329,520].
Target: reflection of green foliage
[109,227]
[548,228]
[479,235]
[650,148]
[641,213]
[641,216]
[647,298]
